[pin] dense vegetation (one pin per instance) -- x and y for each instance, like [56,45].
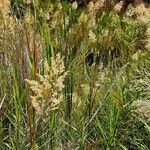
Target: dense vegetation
[73,77]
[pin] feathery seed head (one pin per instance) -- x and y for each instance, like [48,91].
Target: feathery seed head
[48,90]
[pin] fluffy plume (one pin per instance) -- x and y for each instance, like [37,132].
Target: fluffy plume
[47,92]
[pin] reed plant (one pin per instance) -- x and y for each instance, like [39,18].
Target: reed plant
[72,77]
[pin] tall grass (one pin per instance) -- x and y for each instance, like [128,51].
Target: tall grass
[68,78]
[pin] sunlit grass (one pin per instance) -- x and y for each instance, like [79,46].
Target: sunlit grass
[69,77]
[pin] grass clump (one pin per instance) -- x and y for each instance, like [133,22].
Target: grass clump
[72,77]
